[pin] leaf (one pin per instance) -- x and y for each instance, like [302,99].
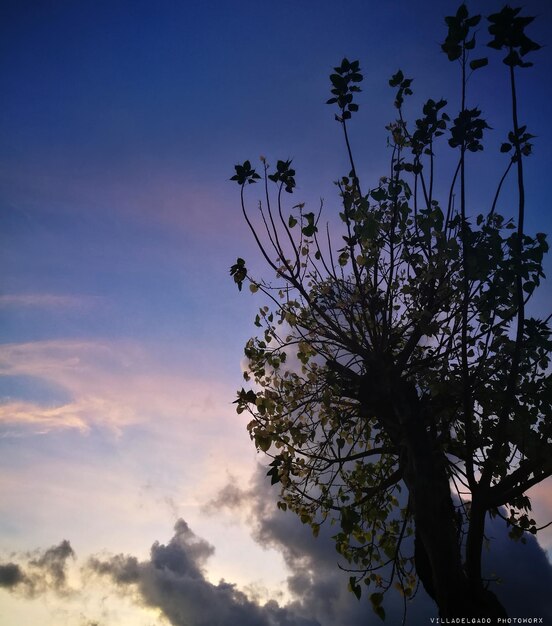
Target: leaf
[349,518]
[512,59]
[245,174]
[452,50]
[470,45]
[239,272]
[529,286]
[310,228]
[462,12]
[345,65]
[376,599]
[396,79]
[378,194]
[477,63]
[343,258]
[263,442]
[275,477]
[355,587]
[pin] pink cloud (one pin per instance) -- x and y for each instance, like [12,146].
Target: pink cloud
[114,385]
[17,417]
[541,499]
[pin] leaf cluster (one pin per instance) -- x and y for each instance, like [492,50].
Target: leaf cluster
[344,86]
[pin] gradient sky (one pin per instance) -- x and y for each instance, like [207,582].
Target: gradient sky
[121,333]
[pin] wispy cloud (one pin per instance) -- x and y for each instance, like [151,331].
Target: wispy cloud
[17,418]
[49,301]
[88,372]
[111,384]
[141,191]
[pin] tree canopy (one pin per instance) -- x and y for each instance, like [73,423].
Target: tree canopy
[399,383]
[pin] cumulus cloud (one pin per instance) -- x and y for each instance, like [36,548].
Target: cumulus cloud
[524,571]
[11,575]
[42,571]
[53,563]
[173,580]
[320,587]
[315,582]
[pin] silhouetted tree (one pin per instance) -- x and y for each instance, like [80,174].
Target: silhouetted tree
[404,357]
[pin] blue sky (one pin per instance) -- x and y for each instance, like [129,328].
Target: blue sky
[121,333]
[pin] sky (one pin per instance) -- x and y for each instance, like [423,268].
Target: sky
[130,493]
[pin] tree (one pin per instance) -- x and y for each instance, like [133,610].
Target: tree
[403,359]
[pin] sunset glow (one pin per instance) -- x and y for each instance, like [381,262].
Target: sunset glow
[121,330]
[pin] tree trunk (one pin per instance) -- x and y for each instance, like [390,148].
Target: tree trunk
[438,545]
[457,591]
